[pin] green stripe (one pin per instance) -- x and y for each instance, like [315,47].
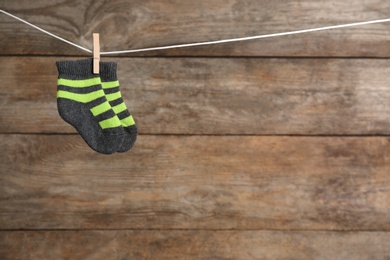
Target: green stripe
[119,108]
[100,109]
[113,96]
[111,84]
[110,123]
[84,83]
[83,98]
[128,121]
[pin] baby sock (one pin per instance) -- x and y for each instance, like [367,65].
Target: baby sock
[110,86]
[82,103]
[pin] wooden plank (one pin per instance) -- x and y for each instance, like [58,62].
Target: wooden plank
[196,182]
[193,245]
[216,96]
[138,24]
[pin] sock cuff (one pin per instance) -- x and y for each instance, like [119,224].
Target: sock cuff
[75,69]
[108,71]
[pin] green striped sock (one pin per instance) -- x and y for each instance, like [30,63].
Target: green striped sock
[82,103]
[111,89]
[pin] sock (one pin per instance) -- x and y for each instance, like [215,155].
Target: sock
[110,85]
[82,103]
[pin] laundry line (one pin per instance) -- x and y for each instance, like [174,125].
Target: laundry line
[187,45]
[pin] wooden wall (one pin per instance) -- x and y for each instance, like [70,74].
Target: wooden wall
[268,149]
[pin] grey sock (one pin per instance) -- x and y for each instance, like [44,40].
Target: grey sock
[82,103]
[111,89]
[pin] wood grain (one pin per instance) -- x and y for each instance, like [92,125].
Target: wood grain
[216,96]
[196,182]
[238,245]
[148,23]
[226,166]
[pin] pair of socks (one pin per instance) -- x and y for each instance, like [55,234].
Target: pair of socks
[93,105]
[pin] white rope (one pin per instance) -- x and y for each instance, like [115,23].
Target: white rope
[205,43]
[249,38]
[44,31]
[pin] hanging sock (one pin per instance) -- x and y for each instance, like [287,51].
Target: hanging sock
[111,89]
[82,103]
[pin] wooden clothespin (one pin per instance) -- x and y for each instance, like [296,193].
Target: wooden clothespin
[96,53]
